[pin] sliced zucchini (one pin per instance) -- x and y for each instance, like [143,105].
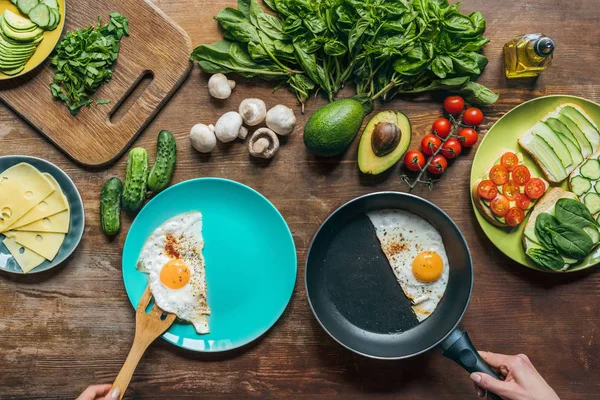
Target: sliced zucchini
[597,187]
[40,15]
[580,185]
[592,231]
[590,169]
[542,130]
[592,201]
[561,128]
[584,123]
[26,5]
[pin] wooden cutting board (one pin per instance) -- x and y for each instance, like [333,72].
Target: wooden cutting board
[157,51]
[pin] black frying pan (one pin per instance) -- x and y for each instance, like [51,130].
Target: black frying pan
[354,294]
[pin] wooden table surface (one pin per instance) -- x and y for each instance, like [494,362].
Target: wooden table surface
[73,326]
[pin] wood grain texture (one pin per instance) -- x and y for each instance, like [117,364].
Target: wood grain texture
[73,326]
[157,47]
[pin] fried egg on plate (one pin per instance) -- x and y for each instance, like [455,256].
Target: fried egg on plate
[172,256]
[416,253]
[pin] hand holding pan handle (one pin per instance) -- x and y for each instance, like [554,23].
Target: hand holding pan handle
[458,347]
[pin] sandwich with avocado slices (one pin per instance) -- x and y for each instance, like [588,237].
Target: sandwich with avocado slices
[508,191]
[561,141]
[560,232]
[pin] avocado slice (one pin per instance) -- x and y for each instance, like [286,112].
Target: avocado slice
[13,71]
[26,36]
[17,22]
[369,161]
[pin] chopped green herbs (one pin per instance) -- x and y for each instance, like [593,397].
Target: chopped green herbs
[384,47]
[83,61]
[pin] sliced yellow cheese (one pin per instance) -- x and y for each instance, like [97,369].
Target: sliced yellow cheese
[21,188]
[44,243]
[51,205]
[57,223]
[27,260]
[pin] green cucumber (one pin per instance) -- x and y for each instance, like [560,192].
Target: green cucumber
[40,15]
[592,201]
[51,4]
[110,206]
[136,177]
[590,169]
[580,185]
[593,233]
[26,5]
[166,155]
[597,187]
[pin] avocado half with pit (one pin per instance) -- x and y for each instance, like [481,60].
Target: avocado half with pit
[383,142]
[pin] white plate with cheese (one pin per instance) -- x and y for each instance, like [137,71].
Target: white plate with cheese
[41,215]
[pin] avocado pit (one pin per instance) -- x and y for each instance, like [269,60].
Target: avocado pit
[385,138]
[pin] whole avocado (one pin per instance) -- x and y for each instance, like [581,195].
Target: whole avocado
[333,127]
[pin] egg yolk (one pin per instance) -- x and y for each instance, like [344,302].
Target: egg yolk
[175,274]
[427,266]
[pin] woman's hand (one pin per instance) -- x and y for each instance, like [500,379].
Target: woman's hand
[99,392]
[521,381]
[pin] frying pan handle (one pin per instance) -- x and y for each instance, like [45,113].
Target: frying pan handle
[458,347]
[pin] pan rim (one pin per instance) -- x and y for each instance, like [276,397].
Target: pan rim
[375,194]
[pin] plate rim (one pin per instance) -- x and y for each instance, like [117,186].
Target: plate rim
[63,14]
[80,200]
[479,217]
[290,236]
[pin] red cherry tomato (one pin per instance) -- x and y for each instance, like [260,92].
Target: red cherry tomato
[487,189]
[454,104]
[473,116]
[467,137]
[499,175]
[514,216]
[523,201]
[438,165]
[414,160]
[500,205]
[511,190]
[535,188]
[430,143]
[509,160]
[452,148]
[521,174]
[441,127]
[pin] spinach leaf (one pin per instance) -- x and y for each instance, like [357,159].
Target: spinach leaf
[545,224]
[573,212]
[546,258]
[572,241]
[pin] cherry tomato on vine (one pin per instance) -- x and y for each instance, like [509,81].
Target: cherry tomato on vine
[430,143]
[414,160]
[452,148]
[473,116]
[468,137]
[454,104]
[441,127]
[438,165]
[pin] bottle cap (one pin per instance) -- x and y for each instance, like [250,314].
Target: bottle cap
[544,47]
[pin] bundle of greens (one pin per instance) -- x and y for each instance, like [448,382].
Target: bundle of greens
[84,59]
[385,47]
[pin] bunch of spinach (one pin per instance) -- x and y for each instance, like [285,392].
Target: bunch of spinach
[84,60]
[563,235]
[384,47]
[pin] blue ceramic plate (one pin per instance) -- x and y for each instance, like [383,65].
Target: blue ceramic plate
[7,262]
[250,260]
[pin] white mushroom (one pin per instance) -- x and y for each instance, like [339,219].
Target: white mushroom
[203,138]
[253,111]
[220,87]
[263,143]
[229,127]
[281,120]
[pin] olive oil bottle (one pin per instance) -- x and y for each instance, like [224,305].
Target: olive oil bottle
[528,55]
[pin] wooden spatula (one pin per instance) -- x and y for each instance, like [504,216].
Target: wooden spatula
[147,328]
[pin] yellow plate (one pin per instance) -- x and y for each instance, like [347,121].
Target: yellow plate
[503,135]
[46,45]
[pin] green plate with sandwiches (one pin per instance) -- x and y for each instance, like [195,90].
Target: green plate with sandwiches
[549,144]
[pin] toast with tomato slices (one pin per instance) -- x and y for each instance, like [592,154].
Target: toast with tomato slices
[508,190]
